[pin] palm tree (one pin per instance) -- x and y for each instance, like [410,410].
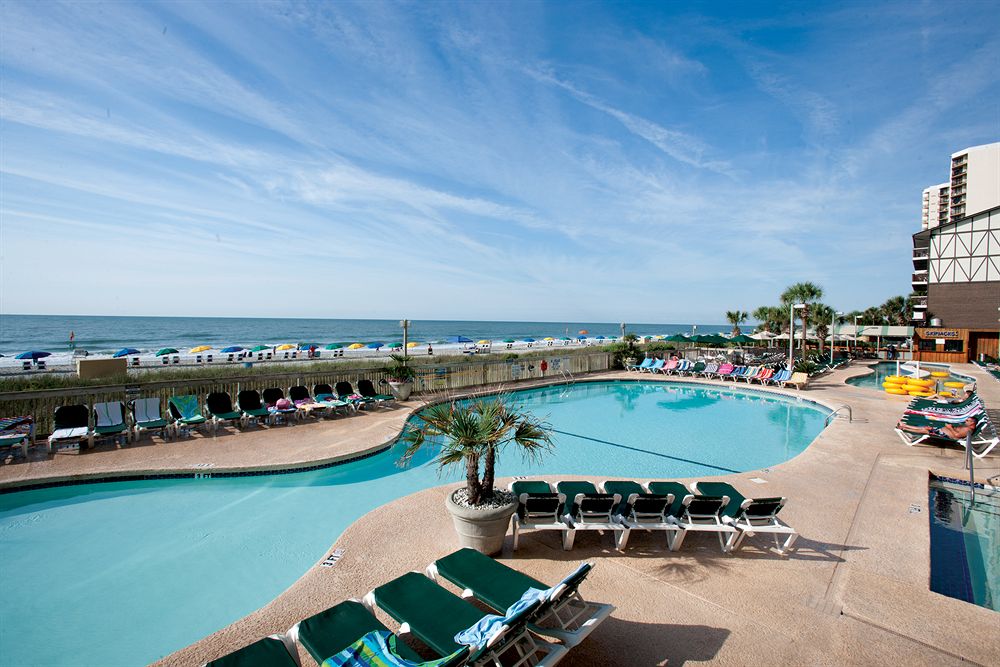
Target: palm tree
[822,315]
[771,318]
[804,293]
[736,318]
[473,434]
[896,310]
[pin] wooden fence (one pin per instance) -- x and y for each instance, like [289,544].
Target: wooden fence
[445,377]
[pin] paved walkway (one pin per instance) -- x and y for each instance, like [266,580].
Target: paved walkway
[855,592]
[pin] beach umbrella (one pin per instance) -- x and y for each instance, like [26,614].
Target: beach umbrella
[568,338]
[126,351]
[612,337]
[306,346]
[334,346]
[413,344]
[599,338]
[200,348]
[232,348]
[165,351]
[578,338]
[529,340]
[355,346]
[583,332]
[394,346]
[548,338]
[260,348]
[509,340]
[458,339]
[485,342]
[374,346]
[33,355]
[286,346]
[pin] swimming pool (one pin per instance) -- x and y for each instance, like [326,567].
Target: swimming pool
[124,573]
[965,543]
[884,369]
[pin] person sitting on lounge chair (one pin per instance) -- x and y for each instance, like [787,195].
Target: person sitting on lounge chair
[951,431]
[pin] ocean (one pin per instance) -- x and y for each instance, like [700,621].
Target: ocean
[106,334]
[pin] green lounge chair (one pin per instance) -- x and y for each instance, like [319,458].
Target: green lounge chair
[248,401]
[695,514]
[17,433]
[273,651]
[751,515]
[564,615]
[641,510]
[146,418]
[109,421]
[324,394]
[329,632]
[585,508]
[220,410]
[71,425]
[186,413]
[537,509]
[345,392]
[435,615]
[982,440]
[367,390]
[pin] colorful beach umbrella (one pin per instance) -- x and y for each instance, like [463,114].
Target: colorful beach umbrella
[578,338]
[166,351]
[394,346]
[375,346]
[458,339]
[232,348]
[583,332]
[509,340]
[125,352]
[485,342]
[200,348]
[334,346]
[355,346]
[260,348]
[529,340]
[306,346]
[33,355]
[413,344]
[286,346]
[599,338]
[548,338]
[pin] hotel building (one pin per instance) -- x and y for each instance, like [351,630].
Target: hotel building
[956,261]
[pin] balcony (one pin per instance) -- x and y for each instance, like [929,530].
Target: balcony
[918,316]
[919,279]
[921,253]
[919,302]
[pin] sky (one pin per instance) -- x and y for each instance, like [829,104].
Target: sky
[654,162]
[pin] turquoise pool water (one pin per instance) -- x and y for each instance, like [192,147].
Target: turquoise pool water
[124,573]
[884,369]
[965,543]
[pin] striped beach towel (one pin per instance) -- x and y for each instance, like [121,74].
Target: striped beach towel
[378,649]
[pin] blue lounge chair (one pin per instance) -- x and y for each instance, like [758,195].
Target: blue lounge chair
[646,363]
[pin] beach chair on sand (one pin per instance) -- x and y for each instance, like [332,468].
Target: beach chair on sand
[71,425]
[751,515]
[367,390]
[342,626]
[696,514]
[437,617]
[221,411]
[324,394]
[641,510]
[146,418]
[563,614]
[249,403]
[109,421]
[287,413]
[537,508]
[273,651]
[585,508]
[186,413]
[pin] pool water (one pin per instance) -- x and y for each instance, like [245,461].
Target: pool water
[965,543]
[124,573]
[884,369]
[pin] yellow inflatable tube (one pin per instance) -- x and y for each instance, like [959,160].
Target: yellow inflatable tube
[921,393]
[896,391]
[939,374]
[955,385]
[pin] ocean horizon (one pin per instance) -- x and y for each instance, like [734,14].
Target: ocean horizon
[105,334]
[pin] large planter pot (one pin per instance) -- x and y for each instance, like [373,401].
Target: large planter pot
[480,529]
[401,390]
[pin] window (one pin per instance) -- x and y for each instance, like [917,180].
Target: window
[927,345]
[954,346]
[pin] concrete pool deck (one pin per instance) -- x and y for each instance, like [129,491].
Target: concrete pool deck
[855,591]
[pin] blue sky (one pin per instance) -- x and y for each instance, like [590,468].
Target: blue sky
[525,161]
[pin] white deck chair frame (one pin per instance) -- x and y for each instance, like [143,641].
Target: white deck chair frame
[703,523]
[145,411]
[647,521]
[770,525]
[104,415]
[592,521]
[538,520]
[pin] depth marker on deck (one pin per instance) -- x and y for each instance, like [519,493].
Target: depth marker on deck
[332,559]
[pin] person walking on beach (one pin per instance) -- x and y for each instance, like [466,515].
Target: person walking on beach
[430,350]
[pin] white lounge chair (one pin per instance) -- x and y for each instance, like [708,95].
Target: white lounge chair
[537,509]
[109,421]
[640,510]
[751,515]
[585,508]
[71,426]
[697,514]
[147,418]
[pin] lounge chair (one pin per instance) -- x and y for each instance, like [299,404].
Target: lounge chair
[641,510]
[683,365]
[17,433]
[435,616]
[273,651]
[722,370]
[780,376]
[709,370]
[669,366]
[271,396]
[646,363]
[71,425]
[563,614]
[735,373]
[585,508]
[696,513]
[186,413]
[537,509]
[221,411]
[982,440]
[797,380]
[749,373]
[764,375]
[109,421]
[696,369]
[307,405]
[324,394]
[249,403]
[367,390]
[329,632]
[345,392]
[751,515]
[655,368]
[147,418]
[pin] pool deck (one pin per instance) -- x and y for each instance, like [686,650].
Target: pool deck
[854,592]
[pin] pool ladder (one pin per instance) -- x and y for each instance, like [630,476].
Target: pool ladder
[567,375]
[833,415]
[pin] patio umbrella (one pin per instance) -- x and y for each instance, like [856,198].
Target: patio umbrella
[413,344]
[260,348]
[355,346]
[394,346]
[232,348]
[583,332]
[678,338]
[334,346]
[458,339]
[33,355]
[741,339]
[509,340]
[286,346]
[200,348]
[165,351]
[126,351]
[375,346]
[715,339]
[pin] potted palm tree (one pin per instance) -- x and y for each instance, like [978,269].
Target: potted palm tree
[472,434]
[399,377]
